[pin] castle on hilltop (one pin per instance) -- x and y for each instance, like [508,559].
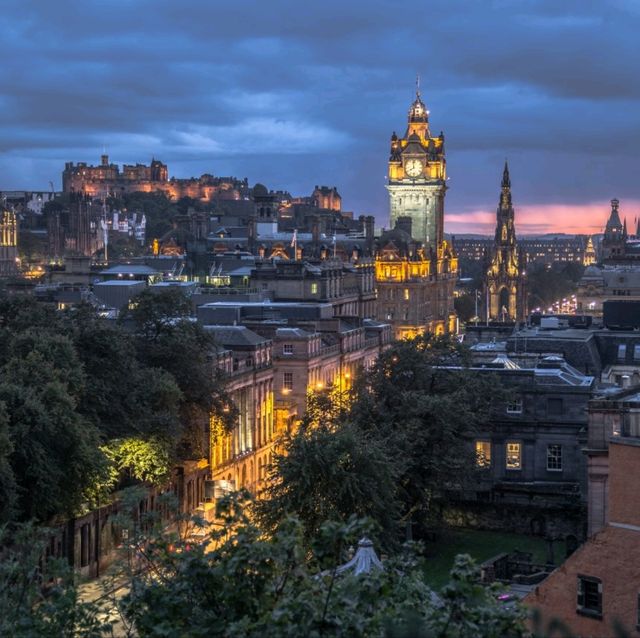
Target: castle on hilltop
[107,179]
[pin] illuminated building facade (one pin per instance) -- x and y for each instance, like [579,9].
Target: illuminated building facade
[416,269]
[415,290]
[239,457]
[108,179]
[589,258]
[326,198]
[505,282]
[417,178]
[8,242]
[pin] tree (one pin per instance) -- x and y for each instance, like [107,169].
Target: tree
[54,449]
[166,338]
[424,405]
[331,471]
[8,487]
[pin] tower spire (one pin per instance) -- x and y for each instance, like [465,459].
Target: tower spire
[418,84]
[506,180]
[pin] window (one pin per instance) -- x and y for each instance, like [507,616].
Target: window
[514,455]
[554,407]
[622,352]
[287,380]
[554,457]
[636,353]
[514,407]
[314,288]
[589,596]
[287,348]
[406,294]
[483,453]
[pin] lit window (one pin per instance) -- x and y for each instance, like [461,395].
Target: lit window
[589,596]
[514,456]
[554,457]
[314,288]
[406,294]
[514,407]
[287,348]
[483,453]
[636,353]
[287,380]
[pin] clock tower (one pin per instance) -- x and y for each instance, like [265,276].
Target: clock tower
[417,178]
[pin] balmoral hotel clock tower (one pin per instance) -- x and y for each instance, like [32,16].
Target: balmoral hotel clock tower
[417,178]
[416,268]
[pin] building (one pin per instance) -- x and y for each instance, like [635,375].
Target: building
[312,349]
[416,268]
[618,272]
[8,243]
[415,290]
[417,178]
[77,229]
[238,458]
[599,584]
[545,249]
[533,474]
[107,179]
[505,280]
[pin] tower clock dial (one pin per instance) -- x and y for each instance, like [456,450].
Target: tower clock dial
[413,167]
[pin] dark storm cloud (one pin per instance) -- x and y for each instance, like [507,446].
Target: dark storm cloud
[296,94]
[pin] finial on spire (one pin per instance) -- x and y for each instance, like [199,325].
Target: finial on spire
[418,84]
[506,180]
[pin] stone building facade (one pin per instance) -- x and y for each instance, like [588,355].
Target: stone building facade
[238,457]
[108,179]
[599,584]
[532,472]
[505,279]
[415,289]
[8,242]
[417,178]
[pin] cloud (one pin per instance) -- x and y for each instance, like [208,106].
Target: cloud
[589,218]
[295,95]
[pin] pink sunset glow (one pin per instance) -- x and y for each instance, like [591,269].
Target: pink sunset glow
[587,219]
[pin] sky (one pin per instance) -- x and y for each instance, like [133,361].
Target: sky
[293,94]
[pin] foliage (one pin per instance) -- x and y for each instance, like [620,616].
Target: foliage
[53,447]
[329,472]
[425,406]
[148,461]
[166,338]
[239,582]
[391,450]
[37,601]
[548,284]
[71,382]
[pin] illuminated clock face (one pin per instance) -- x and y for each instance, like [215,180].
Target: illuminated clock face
[413,167]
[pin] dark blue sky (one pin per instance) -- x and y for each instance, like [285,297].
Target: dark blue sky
[294,94]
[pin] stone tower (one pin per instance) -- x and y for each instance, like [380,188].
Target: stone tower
[417,178]
[505,281]
[615,235]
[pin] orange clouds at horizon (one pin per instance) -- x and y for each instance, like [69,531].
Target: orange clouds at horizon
[585,219]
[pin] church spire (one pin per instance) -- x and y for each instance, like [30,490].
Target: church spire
[505,195]
[506,180]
